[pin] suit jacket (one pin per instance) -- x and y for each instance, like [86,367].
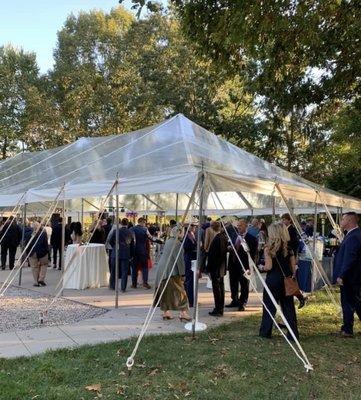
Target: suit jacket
[126,243]
[12,237]
[347,263]
[39,245]
[190,246]
[294,242]
[252,243]
[141,239]
[217,255]
[55,238]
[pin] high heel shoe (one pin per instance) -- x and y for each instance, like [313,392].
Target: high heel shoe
[302,301]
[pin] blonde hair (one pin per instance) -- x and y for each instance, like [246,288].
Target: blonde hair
[278,238]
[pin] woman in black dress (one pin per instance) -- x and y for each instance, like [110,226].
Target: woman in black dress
[279,262]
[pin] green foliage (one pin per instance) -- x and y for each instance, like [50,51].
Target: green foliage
[346,139]
[115,74]
[295,57]
[279,78]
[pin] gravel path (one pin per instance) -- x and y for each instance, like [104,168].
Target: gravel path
[19,310]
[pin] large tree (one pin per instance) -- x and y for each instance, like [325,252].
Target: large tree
[114,74]
[300,59]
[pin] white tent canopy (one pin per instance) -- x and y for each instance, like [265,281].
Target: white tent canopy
[165,158]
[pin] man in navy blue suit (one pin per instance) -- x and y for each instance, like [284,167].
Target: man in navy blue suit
[347,272]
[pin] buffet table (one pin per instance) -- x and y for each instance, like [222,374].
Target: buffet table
[85,266]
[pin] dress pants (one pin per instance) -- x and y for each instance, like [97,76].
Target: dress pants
[142,261]
[56,250]
[351,304]
[189,279]
[12,252]
[123,273]
[236,281]
[39,267]
[218,293]
[277,289]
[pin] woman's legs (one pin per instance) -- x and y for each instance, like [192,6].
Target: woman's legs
[265,329]
[288,309]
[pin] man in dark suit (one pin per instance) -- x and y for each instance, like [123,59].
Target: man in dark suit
[10,240]
[141,252]
[236,272]
[55,241]
[294,242]
[347,272]
[125,253]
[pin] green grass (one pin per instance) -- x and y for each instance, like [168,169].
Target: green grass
[228,362]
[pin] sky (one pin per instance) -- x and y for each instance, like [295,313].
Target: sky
[33,24]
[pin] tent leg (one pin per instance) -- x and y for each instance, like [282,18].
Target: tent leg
[334,224]
[116,274]
[314,247]
[82,213]
[22,240]
[62,263]
[176,206]
[195,324]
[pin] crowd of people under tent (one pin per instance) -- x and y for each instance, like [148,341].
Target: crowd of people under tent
[231,246]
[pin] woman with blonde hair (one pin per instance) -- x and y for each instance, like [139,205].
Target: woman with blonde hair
[279,263]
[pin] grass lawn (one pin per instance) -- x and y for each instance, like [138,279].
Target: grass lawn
[228,362]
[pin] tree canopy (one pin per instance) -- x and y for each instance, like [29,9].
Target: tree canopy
[279,78]
[299,61]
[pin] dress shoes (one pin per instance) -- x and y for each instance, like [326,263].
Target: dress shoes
[232,304]
[215,313]
[146,286]
[241,308]
[42,283]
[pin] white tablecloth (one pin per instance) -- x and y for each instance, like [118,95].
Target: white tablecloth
[88,266]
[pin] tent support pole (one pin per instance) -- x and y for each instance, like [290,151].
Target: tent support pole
[273,208]
[116,274]
[247,203]
[176,206]
[91,204]
[82,213]
[62,254]
[313,255]
[153,202]
[314,245]
[334,224]
[22,240]
[199,255]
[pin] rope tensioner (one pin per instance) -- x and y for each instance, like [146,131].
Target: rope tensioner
[42,315]
[130,363]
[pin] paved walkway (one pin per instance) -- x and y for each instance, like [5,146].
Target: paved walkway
[116,324]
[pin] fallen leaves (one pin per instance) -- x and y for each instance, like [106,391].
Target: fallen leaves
[153,372]
[96,387]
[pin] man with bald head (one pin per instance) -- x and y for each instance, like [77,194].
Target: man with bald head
[347,272]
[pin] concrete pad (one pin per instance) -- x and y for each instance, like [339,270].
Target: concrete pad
[116,324]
